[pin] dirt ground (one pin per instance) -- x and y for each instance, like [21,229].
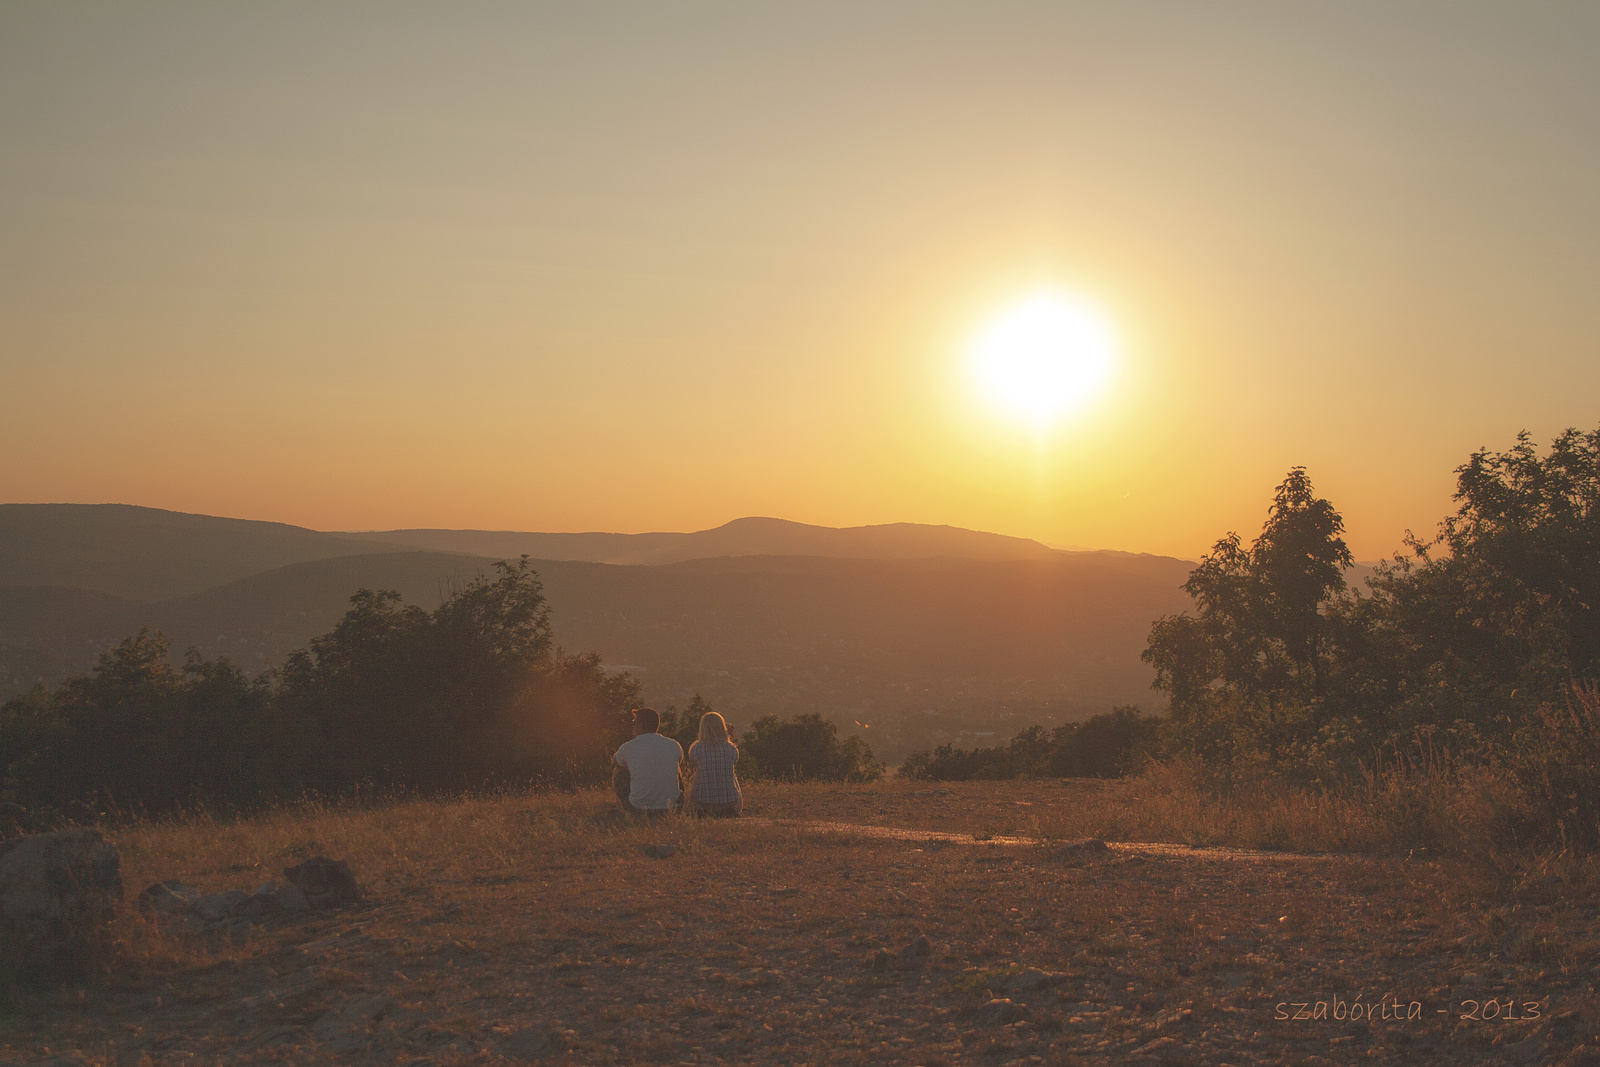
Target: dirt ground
[790,937]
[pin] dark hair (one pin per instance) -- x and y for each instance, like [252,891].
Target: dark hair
[649,718]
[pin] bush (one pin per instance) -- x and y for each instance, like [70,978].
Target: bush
[805,748]
[1555,762]
[465,696]
[1104,746]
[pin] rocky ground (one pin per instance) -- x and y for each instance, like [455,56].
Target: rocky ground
[790,937]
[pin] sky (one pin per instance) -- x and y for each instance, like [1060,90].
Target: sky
[655,266]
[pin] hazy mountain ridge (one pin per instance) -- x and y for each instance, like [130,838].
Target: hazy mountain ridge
[923,646]
[149,554]
[753,536]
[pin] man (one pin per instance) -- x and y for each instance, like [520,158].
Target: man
[646,778]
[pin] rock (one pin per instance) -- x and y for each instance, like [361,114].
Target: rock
[162,899]
[282,899]
[174,899]
[660,852]
[219,907]
[1076,850]
[56,892]
[326,883]
[1000,1011]
[269,899]
[914,953]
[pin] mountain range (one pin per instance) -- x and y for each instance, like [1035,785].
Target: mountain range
[920,633]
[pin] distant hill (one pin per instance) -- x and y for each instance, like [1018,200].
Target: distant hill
[146,553]
[927,633]
[741,537]
[886,641]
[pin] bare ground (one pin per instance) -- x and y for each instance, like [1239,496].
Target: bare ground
[538,930]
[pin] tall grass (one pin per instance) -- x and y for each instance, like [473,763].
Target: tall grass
[1528,817]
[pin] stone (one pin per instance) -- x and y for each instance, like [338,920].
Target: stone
[219,907]
[56,892]
[326,883]
[660,852]
[162,899]
[281,899]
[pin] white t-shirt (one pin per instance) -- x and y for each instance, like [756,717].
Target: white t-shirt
[652,761]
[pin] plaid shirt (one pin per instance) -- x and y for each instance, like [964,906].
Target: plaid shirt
[714,780]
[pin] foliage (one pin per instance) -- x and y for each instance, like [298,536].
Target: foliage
[1249,669]
[137,731]
[684,727]
[805,748]
[1476,629]
[1104,746]
[394,696]
[1464,641]
[1555,762]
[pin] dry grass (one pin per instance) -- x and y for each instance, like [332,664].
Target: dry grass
[533,928]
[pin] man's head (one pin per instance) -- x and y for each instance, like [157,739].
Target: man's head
[645,721]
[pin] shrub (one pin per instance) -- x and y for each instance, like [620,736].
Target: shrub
[805,748]
[393,696]
[1104,746]
[1555,762]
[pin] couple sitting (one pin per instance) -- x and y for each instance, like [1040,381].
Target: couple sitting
[648,780]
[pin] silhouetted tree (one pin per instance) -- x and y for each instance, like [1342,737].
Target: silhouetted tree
[805,748]
[1249,667]
[684,726]
[139,733]
[1103,746]
[469,694]
[1475,629]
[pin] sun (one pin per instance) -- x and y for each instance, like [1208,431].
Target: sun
[1044,357]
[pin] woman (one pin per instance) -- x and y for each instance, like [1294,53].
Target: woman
[716,786]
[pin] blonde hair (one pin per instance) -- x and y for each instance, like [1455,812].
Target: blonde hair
[713,728]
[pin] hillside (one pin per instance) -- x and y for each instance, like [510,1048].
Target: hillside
[148,554]
[923,650]
[741,537]
[923,634]
[882,924]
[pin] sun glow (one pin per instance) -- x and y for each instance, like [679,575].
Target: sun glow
[1044,358]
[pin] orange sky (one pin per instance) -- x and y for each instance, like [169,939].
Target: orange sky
[653,267]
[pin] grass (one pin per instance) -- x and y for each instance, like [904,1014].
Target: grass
[535,922]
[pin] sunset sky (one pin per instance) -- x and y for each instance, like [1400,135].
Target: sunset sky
[655,266]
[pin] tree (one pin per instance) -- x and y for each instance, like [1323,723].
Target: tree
[140,733]
[471,692]
[684,726]
[1475,629]
[806,748]
[1249,670]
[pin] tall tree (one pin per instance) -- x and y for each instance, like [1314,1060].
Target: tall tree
[1254,657]
[1476,628]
